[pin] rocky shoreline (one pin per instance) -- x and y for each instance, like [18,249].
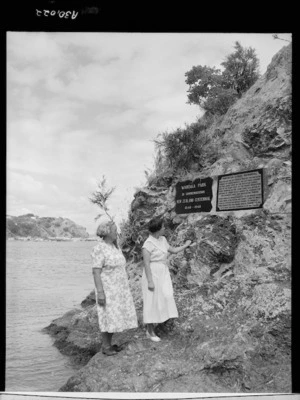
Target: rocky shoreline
[232,335]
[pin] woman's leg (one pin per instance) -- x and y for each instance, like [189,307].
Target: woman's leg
[150,329]
[150,333]
[106,339]
[109,338]
[107,348]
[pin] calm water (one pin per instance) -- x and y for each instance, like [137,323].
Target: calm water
[43,281]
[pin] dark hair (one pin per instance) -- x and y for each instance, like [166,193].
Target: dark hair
[155,224]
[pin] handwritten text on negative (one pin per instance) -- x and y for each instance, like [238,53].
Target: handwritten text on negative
[61,14]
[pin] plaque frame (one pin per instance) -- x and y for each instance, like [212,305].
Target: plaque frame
[261,172]
[196,207]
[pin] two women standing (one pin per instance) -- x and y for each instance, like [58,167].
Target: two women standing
[115,307]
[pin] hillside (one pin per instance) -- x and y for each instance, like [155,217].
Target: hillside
[233,289]
[32,226]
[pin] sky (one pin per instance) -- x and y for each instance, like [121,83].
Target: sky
[85,105]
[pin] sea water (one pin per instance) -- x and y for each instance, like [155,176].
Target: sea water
[43,281]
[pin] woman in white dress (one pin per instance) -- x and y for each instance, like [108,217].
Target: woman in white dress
[158,300]
[116,311]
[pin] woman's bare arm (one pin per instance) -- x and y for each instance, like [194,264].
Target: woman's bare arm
[175,250]
[146,258]
[99,286]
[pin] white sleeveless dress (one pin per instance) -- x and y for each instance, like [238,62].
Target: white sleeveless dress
[158,305]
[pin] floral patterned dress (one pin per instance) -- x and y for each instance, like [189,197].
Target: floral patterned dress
[158,305]
[119,313]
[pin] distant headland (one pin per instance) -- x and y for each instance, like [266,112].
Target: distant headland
[30,227]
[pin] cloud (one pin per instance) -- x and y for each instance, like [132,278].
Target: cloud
[25,76]
[32,190]
[84,105]
[119,120]
[33,47]
[104,47]
[45,199]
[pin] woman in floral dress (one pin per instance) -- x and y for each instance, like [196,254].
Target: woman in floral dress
[116,311]
[158,300]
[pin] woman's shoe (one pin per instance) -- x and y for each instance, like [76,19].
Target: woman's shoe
[109,351]
[117,348]
[153,337]
[120,347]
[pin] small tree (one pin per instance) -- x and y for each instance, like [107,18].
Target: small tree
[101,196]
[241,69]
[202,81]
[216,91]
[219,100]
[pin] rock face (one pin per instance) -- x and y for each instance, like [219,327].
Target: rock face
[232,289]
[32,226]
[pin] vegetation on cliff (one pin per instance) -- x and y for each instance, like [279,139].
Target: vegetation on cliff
[215,90]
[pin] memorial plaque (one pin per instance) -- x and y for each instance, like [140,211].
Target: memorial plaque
[240,190]
[193,196]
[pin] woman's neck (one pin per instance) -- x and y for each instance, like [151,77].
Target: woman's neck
[156,235]
[109,240]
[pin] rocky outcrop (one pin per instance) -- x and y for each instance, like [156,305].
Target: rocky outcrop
[76,335]
[32,226]
[233,333]
[232,289]
[259,124]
